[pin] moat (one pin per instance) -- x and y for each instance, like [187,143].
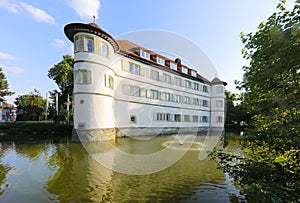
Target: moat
[62,171]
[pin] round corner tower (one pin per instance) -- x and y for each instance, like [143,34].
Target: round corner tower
[94,51]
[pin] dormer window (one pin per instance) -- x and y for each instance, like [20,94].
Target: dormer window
[194,73]
[160,61]
[144,54]
[184,70]
[173,66]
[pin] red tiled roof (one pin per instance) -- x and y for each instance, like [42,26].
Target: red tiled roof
[95,25]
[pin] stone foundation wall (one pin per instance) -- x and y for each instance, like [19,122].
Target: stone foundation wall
[95,135]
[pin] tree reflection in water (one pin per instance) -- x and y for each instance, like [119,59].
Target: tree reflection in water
[4,169]
[80,178]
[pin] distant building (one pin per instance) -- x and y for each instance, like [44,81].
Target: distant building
[8,112]
[121,88]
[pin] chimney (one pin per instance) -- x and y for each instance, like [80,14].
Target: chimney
[178,61]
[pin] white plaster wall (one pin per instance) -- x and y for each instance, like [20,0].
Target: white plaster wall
[96,111]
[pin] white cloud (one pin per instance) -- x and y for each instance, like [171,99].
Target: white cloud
[38,14]
[59,43]
[85,9]
[6,56]
[12,7]
[13,69]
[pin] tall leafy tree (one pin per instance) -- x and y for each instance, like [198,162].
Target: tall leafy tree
[271,86]
[62,74]
[4,88]
[31,107]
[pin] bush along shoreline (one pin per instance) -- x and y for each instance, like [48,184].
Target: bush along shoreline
[34,130]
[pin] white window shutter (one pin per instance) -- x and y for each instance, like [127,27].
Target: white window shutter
[125,89]
[142,71]
[125,65]
[143,92]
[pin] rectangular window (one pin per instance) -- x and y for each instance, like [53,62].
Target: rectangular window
[219,119]
[205,103]
[187,84]
[154,74]
[196,101]
[160,61]
[173,66]
[104,50]
[204,119]
[110,82]
[166,78]
[187,118]
[144,54]
[83,77]
[166,96]
[177,118]
[184,70]
[134,91]
[219,103]
[89,44]
[196,86]
[134,68]
[162,117]
[79,44]
[177,81]
[194,73]
[186,100]
[177,98]
[204,88]
[195,119]
[153,94]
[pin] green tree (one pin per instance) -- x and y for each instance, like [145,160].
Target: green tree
[271,86]
[31,107]
[4,88]
[62,74]
[237,117]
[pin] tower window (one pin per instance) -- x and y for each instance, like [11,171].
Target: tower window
[79,44]
[90,45]
[83,77]
[104,50]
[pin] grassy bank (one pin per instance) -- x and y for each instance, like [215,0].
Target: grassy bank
[35,130]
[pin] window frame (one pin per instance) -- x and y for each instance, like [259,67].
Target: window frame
[87,40]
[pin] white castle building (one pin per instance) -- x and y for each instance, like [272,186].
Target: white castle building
[121,89]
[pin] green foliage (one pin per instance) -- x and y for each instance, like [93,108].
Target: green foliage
[33,131]
[31,107]
[62,74]
[237,116]
[271,86]
[4,89]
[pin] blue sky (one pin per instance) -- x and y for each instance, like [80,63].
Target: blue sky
[32,38]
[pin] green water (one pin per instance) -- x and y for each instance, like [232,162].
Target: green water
[61,171]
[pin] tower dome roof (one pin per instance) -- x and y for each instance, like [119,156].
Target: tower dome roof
[92,28]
